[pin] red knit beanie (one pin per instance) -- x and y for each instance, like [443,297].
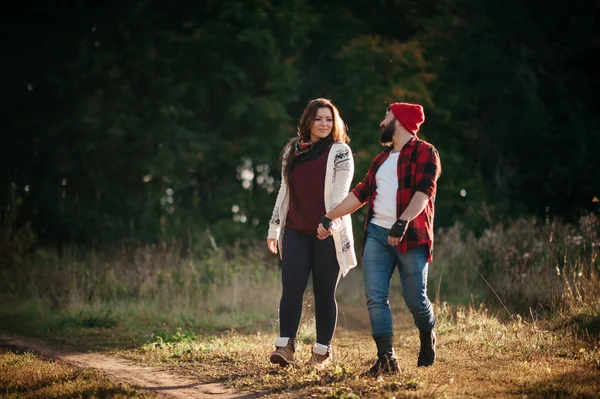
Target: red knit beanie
[410,116]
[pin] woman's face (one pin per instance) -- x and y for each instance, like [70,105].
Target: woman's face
[322,125]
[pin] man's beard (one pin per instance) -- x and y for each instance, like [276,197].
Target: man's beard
[387,133]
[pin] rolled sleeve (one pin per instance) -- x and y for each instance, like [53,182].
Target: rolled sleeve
[362,190]
[428,171]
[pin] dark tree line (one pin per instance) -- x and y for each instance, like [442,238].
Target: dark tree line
[148,120]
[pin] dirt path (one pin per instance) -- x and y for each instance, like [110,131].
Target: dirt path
[153,379]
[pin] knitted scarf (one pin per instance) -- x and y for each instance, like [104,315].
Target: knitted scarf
[309,150]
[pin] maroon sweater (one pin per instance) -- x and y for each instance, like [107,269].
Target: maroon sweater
[307,195]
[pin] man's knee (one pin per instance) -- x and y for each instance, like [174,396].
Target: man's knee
[377,300]
[420,304]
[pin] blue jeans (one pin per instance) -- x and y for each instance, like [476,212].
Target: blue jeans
[379,262]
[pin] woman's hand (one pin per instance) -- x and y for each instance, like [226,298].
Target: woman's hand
[322,232]
[272,245]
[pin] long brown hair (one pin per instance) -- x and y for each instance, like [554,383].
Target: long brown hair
[338,132]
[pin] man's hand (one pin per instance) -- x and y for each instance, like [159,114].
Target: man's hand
[272,245]
[397,232]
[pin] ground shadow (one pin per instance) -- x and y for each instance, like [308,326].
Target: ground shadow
[580,384]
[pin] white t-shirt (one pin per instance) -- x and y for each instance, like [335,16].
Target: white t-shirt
[384,207]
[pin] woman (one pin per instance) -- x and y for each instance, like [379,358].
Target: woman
[317,170]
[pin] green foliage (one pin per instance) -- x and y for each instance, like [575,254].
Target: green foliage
[16,236]
[89,319]
[514,107]
[147,122]
[162,336]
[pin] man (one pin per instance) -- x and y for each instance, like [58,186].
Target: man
[400,188]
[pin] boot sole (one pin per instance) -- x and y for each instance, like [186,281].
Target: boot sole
[368,373]
[276,358]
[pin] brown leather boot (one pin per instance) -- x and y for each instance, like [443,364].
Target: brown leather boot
[284,352]
[321,356]
[427,352]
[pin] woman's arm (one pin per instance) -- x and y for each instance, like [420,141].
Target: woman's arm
[275,221]
[343,172]
[342,203]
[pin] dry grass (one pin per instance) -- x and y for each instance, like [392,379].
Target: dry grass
[478,356]
[138,292]
[544,344]
[544,268]
[549,267]
[26,376]
[155,274]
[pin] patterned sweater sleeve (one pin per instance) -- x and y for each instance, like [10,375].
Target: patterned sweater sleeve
[275,221]
[343,174]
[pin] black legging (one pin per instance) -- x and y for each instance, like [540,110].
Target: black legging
[301,254]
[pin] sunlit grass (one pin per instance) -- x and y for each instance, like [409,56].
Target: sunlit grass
[518,312]
[126,324]
[478,356]
[27,376]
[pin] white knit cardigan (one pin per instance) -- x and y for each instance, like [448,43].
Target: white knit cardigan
[338,178]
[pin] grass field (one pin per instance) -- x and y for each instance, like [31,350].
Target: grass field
[518,311]
[478,356]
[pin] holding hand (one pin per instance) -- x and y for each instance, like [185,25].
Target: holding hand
[325,228]
[397,232]
[272,245]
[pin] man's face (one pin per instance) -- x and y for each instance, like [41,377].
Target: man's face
[388,128]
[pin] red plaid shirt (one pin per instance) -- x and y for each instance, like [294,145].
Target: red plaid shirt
[418,170]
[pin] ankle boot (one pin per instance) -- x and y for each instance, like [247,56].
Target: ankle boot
[386,357]
[284,351]
[321,356]
[427,352]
